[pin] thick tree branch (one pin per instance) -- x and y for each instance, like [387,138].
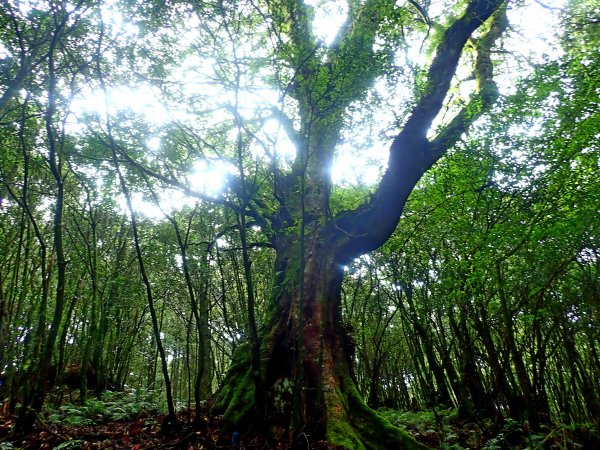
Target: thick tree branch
[422,11]
[444,65]
[411,153]
[487,91]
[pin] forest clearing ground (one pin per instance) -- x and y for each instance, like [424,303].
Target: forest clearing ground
[144,433]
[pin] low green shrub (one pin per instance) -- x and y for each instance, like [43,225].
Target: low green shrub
[111,407]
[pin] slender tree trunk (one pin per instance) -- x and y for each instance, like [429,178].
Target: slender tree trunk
[4,318]
[501,385]
[93,337]
[60,365]
[471,377]
[171,419]
[517,357]
[188,362]
[200,315]
[581,376]
[34,402]
[441,395]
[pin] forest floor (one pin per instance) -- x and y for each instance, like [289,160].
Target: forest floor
[436,429]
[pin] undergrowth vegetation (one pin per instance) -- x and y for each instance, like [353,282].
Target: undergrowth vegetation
[110,407]
[442,428]
[131,420]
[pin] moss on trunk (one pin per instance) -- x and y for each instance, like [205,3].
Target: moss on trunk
[306,374]
[236,399]
[363,428]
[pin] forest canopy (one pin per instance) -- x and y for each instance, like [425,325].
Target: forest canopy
[302,216]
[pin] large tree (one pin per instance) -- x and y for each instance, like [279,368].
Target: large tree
[296,376]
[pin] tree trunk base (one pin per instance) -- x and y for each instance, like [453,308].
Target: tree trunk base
[349,422]
[236,399]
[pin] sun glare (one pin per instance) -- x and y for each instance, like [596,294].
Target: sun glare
[353,167]
[4,53]
[531,24]
[143,100]
[210,177]
[275,139]
[116,24]
[329,17]
[361,161]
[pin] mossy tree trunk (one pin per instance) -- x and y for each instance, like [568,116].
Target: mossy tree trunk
[302,387]
[306,358]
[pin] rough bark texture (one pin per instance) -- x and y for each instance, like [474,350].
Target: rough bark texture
[306,361]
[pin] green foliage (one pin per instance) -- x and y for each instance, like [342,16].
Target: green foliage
[348,198]
[113,406]
[506,437]
[565,436]
[419,420]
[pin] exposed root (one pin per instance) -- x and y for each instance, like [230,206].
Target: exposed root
[358,427]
